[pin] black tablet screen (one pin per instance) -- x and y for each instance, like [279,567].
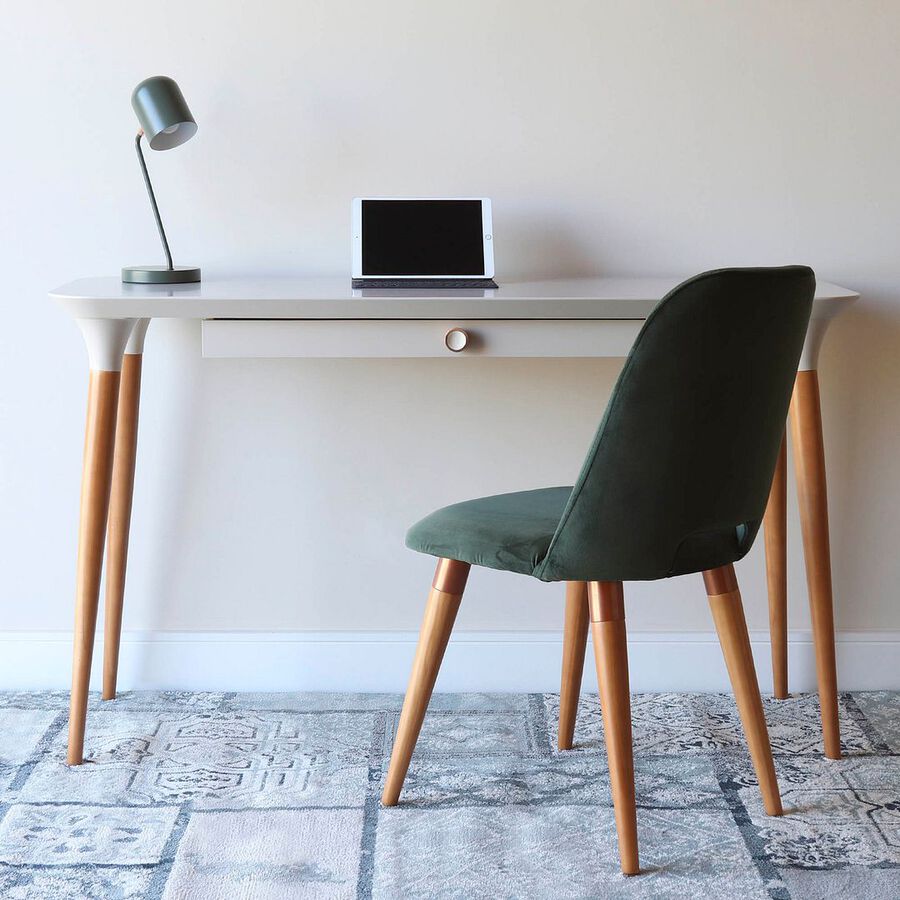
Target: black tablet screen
[422,237]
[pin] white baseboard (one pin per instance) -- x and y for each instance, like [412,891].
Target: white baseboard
[380,661]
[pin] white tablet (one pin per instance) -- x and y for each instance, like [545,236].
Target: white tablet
[414,237]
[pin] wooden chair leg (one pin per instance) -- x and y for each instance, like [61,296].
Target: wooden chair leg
[607,612]
[574,646]
[120,517]
[809,462]
[728,614]
[100,433]
[775,531]
[440,613]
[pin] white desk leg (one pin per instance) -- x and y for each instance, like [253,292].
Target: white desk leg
[119,521]
[809,465]
[106,340]
[775,535]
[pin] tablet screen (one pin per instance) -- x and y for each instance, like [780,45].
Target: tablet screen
[422,237]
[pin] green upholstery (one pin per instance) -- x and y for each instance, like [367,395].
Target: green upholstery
[677,477]
[511,532]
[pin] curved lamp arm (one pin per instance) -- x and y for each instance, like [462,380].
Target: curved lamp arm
[159,224]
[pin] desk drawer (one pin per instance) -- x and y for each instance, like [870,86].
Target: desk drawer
[417,338]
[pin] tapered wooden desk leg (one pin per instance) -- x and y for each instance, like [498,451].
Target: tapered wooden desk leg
[607,612]
[775,531]
[120,517]
[809,462]
[574,646]
[100,433]
[440,614]
[728,615]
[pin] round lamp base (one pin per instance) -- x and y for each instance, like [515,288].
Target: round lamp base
[160,275]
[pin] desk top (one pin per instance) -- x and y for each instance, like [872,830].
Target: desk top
[332,297]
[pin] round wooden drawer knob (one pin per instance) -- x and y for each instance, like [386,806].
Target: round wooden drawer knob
[456,339]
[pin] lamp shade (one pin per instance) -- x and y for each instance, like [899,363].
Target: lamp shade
[163,113]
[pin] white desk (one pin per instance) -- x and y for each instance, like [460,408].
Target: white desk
[325,317]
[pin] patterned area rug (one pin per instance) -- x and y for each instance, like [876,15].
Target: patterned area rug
[271,796]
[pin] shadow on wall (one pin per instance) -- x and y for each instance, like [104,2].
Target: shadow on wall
[171,444]
[544,248]
[860,376]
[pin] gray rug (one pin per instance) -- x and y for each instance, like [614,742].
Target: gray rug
[199,796]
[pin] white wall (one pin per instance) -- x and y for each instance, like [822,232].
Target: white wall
[616,138]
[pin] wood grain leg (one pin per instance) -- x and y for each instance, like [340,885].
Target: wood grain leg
[120,516]
[100,433]
[440,614]
[775,531]
[574,646]
[809,462]
[607,612]
[728,614]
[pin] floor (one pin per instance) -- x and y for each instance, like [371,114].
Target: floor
[199,796]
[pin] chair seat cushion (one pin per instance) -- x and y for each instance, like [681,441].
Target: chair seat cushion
[511,532]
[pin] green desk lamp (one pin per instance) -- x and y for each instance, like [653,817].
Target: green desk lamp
[166,122]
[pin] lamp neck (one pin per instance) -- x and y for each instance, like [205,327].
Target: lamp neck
[146,174]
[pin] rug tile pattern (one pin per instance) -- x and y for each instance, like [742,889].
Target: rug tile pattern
[188,796]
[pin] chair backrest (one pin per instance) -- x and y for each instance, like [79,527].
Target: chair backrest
[678,476]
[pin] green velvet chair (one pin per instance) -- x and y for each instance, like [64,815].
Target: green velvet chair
[675,482]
